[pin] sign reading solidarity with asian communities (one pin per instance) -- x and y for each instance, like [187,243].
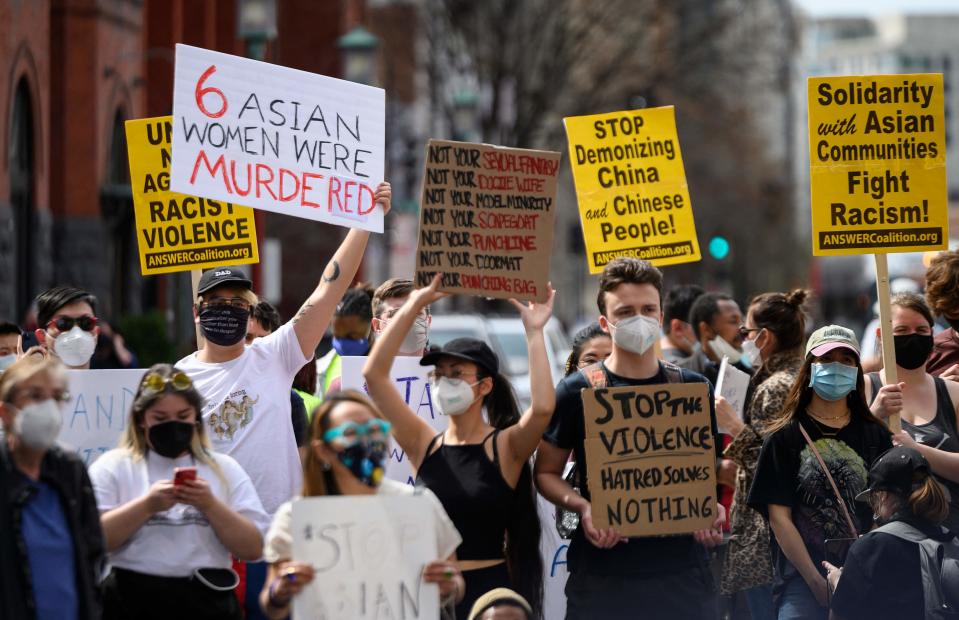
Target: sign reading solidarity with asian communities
[631,187]
[650,458]
[277,139]
[486,221]
[98,410]
[368,555]
[877,150]
[176,232]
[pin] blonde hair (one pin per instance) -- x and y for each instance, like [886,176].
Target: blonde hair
[134,441]
[26,368]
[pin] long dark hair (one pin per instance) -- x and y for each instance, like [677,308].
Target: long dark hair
[523,558]
[801,395]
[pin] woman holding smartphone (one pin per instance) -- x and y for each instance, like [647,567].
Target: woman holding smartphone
[173,511]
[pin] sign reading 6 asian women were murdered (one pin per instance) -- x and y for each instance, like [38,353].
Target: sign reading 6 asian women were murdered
[631,187]
[877,151]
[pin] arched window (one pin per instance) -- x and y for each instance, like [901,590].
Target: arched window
[22,196]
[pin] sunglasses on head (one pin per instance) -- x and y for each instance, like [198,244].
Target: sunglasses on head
[155,382]
[66,323]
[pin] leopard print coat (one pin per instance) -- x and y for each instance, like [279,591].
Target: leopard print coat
[748,560]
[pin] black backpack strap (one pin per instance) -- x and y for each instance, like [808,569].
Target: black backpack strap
[876,384]
[674,374]
[595,375]
[902,530]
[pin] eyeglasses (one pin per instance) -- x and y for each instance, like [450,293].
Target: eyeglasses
[154,382]
[66,323]
[350,433]
[435,375]
[745,331]
[222,302]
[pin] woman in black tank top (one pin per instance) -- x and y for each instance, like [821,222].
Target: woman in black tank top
[927,405]
[478,469]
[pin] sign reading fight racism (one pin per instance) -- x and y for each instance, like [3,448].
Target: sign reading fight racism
[413,384]
[277,139]
[97,412]
[650,458]
[631,187]
[877,155]
[368,554]
[176,232]
[486,221]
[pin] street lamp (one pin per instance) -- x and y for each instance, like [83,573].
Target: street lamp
[256,24]
[359,55]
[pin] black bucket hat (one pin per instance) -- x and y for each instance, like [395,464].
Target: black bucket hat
[469,349]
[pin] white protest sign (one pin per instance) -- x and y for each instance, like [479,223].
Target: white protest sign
[278,139]
[732,385]
[97,412]
[413,384]
[368,554]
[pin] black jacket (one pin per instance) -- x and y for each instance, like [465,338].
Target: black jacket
[66,473]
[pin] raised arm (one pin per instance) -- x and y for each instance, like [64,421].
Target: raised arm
[411,432]
[523,437]
[314,316]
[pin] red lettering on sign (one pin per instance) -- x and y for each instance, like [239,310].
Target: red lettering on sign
[199,93]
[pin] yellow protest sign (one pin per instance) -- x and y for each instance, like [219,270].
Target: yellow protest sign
[631,187]
[176,232]
[877,151]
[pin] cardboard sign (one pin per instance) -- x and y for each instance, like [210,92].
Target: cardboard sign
[486,221]
[877,151]
[98,410]
[176,232]
[732,385]
[631,187]
[368,554]
[412,382]
[277,139]
[650,458]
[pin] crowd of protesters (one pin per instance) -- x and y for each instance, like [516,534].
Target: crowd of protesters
[190,515]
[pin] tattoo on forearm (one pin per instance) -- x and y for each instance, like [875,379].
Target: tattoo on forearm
[299,315]
[336,273]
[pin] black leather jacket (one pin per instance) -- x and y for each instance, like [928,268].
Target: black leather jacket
[66,473]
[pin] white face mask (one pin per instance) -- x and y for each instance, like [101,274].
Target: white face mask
[722,349]
[416,338]
[38,424]
[75,347]
[7,360]
[635,334]
[752,353]
[452,396]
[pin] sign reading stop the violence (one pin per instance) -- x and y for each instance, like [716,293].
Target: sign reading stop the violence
[631,187]
[176,232]
[277,139]
[486,221]
[650,458]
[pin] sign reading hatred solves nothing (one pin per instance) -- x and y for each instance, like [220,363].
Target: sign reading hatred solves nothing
[631,187]
[650,458]
[486,221]
[877,155]
[277,139]
[176,232]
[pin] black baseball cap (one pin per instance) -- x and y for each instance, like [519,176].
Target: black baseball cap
[894,471]
[469,349]
[219,276]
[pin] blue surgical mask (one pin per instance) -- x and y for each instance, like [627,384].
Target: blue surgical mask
[351,346]
[833,381]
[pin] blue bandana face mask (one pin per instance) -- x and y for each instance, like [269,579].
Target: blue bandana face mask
[351,346]
[833,381]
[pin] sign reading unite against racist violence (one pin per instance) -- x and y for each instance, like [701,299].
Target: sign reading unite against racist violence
[277,139]
[176,232]
[650,458]
[877,155]
[631,187]
[486,221]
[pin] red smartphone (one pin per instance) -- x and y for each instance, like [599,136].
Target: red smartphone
[182,474]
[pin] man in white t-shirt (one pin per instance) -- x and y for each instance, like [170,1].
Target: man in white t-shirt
[247,388]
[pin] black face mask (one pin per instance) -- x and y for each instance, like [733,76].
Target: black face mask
[365,460]
[224,325]
[912,350]
[171,439]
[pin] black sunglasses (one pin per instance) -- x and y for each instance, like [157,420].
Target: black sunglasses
[66,323]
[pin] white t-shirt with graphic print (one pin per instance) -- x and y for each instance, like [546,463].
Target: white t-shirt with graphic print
[247,411]
[175,542]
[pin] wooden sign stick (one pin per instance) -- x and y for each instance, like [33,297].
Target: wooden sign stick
[885,325]
[195,281]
